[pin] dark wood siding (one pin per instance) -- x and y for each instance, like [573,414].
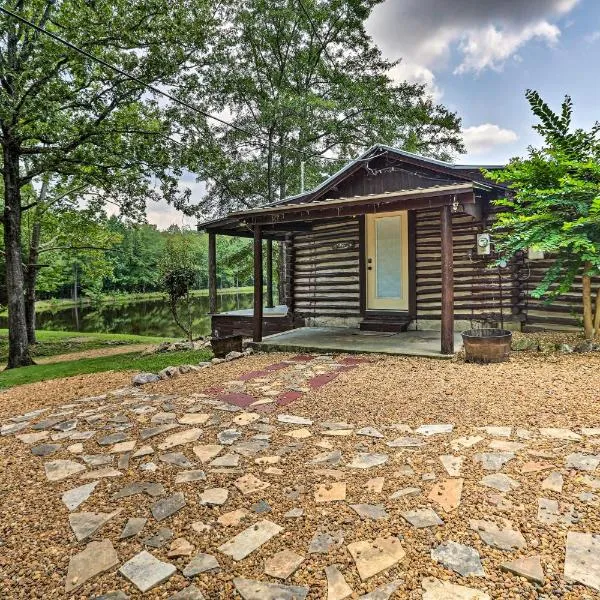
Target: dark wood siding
[565,312]
[480,292]
[326,271]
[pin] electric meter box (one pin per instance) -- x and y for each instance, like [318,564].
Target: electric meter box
[484,245]
[535,254]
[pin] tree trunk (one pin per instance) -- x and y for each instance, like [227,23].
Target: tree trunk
[18,347]
[31,273]
[588,323]
[597,316]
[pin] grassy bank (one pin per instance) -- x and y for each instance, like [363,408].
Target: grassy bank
[51,343]
[122,362]
[62,303]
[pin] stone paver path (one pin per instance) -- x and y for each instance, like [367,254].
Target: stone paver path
[179,490]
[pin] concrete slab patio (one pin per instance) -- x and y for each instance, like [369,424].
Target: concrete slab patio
[345,339]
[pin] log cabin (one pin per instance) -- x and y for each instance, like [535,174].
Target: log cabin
[392,242]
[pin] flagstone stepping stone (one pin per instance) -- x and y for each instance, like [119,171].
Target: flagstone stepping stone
[251,447]
[32,438]
[434,429]
[167,507]
[452,464]
[159,539]
[500,482]
[375,485]
[506,446]
[98,460]
[101,473]
[176,459]
[163,417]
[294,513]
[337,587]
[554,482]
[150,432]
[233,518]
[368,460]
[11,428]
[73,498]
[530,568]
[133,527]
[436,589]
[375,512]
[298,434]
[559,433]
[377,556]
[336,425]
[45,449]
[58,470]
[422,517]
[323,542]
[466,442]
[250,589]
[383,592]
[493,461]
[45,424]
[123,447]
[327,458]
[190,476]
[549,511]
[583,462]
[151,488]
[337,432]
[207,452]
[214,496]
[283,564]
[85,524]
[226,461]
[267,460]
[535,467]
[75,448]
[261,507]
[145,571]
[293,420]
[150,467]
[587,431]
[406,492]
[194,419]
[180,547]
[201,563]
[250,539]
[246,418]
[96,558]
[113,596]
[189,593]
[229,436]
[65,426]
[497,431]
[462,559]
[249,484]
[406,442]
[369,432]
[582,559]
[493,535]
[330,492]
[113,438]
[447,493]
[181,438]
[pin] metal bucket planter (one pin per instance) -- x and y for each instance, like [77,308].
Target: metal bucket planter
[224,345]
[487,345]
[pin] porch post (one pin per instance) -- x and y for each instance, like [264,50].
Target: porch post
[258,284]
[212,273]
[269,273]
[447,281]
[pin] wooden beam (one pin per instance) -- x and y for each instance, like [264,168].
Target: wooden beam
[269,273]
[258,284]
[212,273]
[447,281]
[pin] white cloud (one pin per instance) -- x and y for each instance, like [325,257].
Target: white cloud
[593,37]
[481,139]
[484,33]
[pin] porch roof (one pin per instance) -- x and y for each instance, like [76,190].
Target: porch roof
[280,219]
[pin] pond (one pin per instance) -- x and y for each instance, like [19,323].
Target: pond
[145,317]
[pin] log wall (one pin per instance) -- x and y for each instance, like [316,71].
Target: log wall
[326,272]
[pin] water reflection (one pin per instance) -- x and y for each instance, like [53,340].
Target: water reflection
[147,317]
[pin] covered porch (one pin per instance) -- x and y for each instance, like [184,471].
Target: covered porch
[283,222]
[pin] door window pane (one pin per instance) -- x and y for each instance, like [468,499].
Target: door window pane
[388,257]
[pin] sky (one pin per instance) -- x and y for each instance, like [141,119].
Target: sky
[478,57]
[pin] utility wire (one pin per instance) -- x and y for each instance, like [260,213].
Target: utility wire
[151,87]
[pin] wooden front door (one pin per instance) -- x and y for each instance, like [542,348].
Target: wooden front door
[387,261]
